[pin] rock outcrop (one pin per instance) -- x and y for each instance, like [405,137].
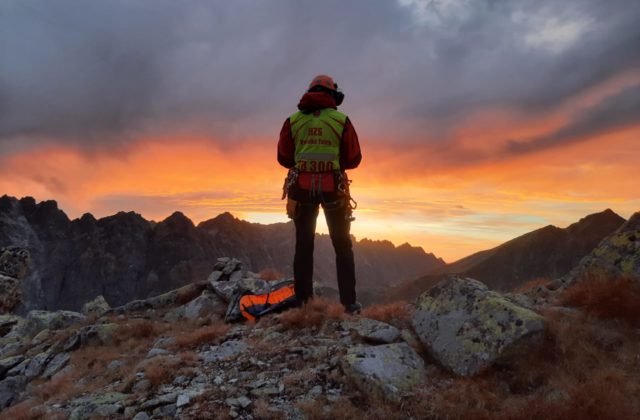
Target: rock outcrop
[617,256]
[467,327]
[14,263]
[464,326]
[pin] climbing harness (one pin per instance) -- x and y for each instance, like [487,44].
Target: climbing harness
[343,187]
[289,181]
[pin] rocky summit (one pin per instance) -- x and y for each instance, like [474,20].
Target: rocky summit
[458,351]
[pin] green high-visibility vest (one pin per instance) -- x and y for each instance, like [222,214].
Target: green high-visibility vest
[317,138]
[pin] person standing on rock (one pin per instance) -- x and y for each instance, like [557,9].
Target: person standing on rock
[318,144]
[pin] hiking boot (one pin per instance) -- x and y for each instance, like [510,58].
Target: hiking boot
[353,308]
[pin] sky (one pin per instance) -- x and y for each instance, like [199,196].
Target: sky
[479,120]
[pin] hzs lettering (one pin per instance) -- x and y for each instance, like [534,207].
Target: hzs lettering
[315,131]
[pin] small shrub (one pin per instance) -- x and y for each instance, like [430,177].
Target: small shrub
[162,369]
[25,410]
[261,411]
[388,312]
[136,329]
[206,334]
[60,387]
[618,299]
[312,314]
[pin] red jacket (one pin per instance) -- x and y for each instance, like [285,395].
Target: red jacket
[350,155]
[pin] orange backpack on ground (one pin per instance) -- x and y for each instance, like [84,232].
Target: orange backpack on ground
[249,305]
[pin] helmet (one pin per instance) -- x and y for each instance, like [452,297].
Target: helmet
[324,81]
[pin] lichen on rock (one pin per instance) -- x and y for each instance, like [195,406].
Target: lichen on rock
[467,327]
[392,370]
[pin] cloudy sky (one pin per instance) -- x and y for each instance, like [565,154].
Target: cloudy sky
[479,120]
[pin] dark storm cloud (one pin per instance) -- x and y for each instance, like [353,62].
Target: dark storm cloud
[105,73]
[614,112]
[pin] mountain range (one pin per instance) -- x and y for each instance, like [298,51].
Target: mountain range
[546,253]
[125,257]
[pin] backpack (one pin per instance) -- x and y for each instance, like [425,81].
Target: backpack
[248,305]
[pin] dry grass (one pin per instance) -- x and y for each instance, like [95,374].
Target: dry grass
[137,329]
[60,387]
[618,299]
[203,335]
[162,370]
[25,410]
[261,411]
[396,311]
[270,274]
[297,381]
[312,314]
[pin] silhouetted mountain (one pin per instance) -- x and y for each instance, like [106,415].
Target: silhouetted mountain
[549,252]
[125,257]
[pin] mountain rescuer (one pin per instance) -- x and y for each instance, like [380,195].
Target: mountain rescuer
[318,144]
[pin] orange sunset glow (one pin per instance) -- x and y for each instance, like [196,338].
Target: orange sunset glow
[465,143]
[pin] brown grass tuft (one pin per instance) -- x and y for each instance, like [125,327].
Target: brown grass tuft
[162,369]
[388,312]
[312,314]
[60,387]
[270,274]
[137,329]
[25,410]
[206,334]
[261,410]
[618,299]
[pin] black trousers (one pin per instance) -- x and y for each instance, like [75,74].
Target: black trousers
[339,231]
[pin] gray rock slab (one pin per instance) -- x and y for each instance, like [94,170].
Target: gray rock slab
[56,364]
[8,363]
[241,401]
[390,370]
[467,327]
[165,399]
[225,351]
[10,389]
[372,330]
[206,304]
[37,321]
[19,369]
[183,399]
[156,352]
[37,365]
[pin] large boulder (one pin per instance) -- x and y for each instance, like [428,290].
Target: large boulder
[206,304]
[390,370]
[96,307]
[466,327]
[40,320]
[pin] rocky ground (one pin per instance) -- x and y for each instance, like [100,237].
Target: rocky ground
[563,349]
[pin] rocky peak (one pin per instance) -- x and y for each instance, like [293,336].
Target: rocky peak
[175,224]
[603,222]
